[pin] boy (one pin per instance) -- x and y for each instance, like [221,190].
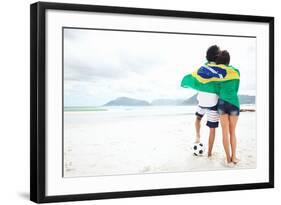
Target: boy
[207,104]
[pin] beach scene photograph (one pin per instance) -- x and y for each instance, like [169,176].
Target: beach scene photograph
[153,102]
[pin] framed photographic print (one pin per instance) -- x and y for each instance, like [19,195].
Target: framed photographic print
[129,102]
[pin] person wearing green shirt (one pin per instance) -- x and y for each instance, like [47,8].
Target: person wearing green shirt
[229,109]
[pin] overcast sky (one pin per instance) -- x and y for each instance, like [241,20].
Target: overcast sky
[100,66]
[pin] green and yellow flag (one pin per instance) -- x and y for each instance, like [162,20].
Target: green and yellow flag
[220,79]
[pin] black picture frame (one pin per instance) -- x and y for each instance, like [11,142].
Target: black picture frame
[38,101]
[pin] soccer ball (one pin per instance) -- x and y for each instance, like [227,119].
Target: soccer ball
[198,149]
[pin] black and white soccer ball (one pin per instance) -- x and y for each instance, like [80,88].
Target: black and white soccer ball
[198,149]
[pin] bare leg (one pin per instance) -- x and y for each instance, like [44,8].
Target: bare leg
[211,141]
[197,128]
[233,142]
[224,119]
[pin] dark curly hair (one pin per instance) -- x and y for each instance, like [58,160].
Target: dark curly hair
[223,58]
[212,53]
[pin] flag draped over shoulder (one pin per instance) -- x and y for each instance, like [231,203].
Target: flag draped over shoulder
[219,79]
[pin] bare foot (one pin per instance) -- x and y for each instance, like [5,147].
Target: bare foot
[235,160]
[197,139]
[228,164]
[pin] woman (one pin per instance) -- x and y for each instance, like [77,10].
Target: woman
[229,110]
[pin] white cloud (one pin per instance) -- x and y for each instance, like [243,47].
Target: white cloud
[102,65]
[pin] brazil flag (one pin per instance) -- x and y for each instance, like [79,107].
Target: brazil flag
[220,79]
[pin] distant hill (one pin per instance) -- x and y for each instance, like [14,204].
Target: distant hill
[191,101]
[247,99]
[244,99]
[125,101]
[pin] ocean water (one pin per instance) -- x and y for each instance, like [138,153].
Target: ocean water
[121,112]
[139,111]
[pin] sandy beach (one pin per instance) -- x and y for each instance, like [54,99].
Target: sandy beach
[152,139]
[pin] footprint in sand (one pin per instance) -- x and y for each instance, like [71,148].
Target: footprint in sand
[69,169]
[146,169]
[68,164]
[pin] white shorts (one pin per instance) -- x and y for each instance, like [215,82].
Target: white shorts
[212,115]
